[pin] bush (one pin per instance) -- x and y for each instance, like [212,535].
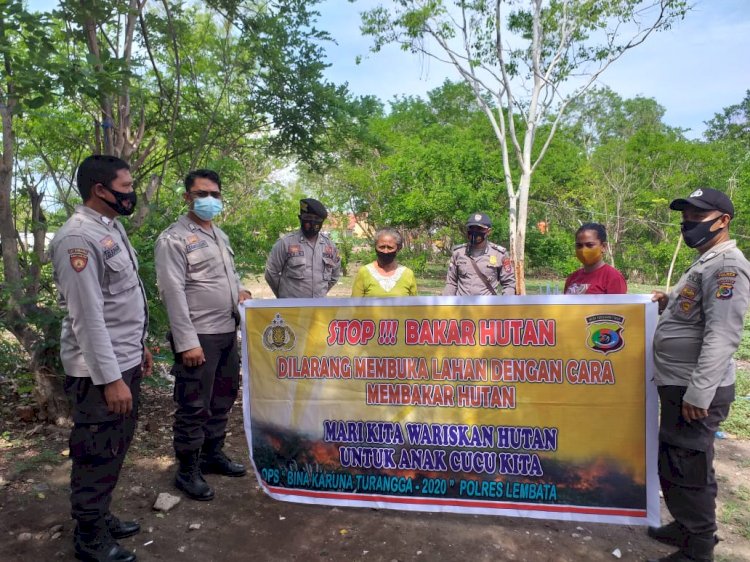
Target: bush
[648,262]
[417,262]
[551,254]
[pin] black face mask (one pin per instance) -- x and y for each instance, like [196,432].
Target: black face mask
[386,258]
[476,238]
[696,234]
[121,198]
[310,228]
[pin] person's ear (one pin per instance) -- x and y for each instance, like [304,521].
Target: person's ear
[723,222]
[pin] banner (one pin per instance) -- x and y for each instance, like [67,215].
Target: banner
[522,406]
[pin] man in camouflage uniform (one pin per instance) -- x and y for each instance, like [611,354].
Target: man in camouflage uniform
[699,331]
[305,263]
[480,267]
[102,348]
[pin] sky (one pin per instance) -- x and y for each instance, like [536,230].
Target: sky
[694,70]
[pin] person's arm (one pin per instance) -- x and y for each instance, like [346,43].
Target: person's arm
[567,283]
[451,280]
[412,283]
[171,268]
[242,292]
[336,272]
[358,287]
[616,284]
[507,276]
[79,272]
[660,297]
[274,266]
[725,298]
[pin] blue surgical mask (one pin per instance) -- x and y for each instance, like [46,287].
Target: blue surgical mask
[207,207]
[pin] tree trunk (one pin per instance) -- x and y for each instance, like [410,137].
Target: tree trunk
[523,216]
[49,393]
[21,308]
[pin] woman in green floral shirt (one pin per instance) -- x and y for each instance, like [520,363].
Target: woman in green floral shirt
[385,277]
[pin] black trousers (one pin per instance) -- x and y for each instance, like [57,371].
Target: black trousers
[686,459]
[205,394]
[98,444]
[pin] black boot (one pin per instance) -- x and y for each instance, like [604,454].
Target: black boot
[94,543]
[189,478]
[678,556]
[214,461]
[672,534]
[697,548]
[121,529]
[701,547]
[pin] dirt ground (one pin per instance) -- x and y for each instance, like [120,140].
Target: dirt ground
[243,523]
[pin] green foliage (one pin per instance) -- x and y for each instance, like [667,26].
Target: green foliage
[13,358]
[738,421]
[733,123]
[551,254]
[416,261]
[345,246]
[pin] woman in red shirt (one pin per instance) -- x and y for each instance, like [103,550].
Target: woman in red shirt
[595,277]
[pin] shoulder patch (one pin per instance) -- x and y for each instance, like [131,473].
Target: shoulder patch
[725,291]
[507,265]
[79,258]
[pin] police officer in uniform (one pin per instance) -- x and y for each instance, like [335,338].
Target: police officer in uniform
[480,267]
[102,349]
[305,263]
[699,330]
[200,288]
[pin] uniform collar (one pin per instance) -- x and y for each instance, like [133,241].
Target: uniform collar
[192,226]
[97,217]
[318,240]
[486,249]
[716,250]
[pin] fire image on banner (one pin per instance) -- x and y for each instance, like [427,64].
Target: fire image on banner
[523,406]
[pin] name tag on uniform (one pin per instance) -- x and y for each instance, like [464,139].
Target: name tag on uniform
[193,242]
[111,248]
[493,260]
[295,251]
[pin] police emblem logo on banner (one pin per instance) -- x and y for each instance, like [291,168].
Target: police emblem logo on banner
[604,333]
[278,336]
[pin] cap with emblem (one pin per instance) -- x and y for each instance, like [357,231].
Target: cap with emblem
[707,199]
[479,219]
[312,206]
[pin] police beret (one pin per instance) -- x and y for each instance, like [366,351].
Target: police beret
[707,199]
[312,206]
[479,219]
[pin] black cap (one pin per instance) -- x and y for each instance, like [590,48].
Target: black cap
[312,206]
[707,199]
[479,219]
